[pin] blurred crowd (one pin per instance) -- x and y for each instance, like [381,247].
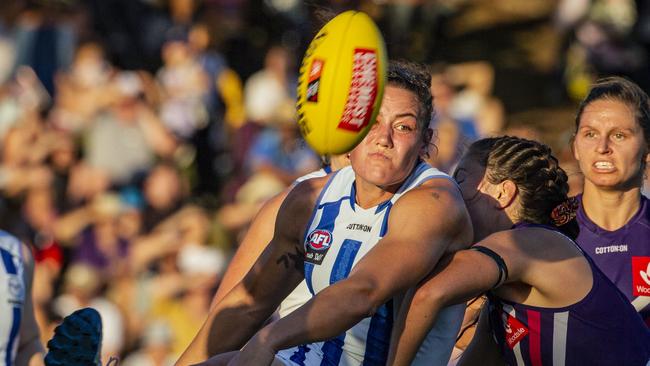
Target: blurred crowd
[139,138]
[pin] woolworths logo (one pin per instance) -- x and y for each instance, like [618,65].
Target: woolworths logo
[645,275]
[641,276]
[515,330]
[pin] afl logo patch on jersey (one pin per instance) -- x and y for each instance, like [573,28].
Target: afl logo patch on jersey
[16,291]
[318,243]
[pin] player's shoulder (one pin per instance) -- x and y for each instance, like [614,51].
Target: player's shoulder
[528,239]
[302,198]
[440,180]
[441,188]
[310,187]
[298,207]
[315,174]
[437,198]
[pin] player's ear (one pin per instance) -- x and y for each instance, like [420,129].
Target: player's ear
[506,193]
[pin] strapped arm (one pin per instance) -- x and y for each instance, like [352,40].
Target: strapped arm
[501,264]
[398,261]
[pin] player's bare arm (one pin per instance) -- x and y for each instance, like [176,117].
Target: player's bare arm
[424,224]
[234,319]
[464,277]
[471,273]
[259,234]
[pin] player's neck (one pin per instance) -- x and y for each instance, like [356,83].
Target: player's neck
[610,210]
[369,195]
[338,162]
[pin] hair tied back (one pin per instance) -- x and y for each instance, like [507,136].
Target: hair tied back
[565,211]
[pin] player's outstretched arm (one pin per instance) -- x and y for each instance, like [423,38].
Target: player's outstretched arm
[30,350]
[423,225]
[259,234]
[242,311]
[466,275]
[463,278]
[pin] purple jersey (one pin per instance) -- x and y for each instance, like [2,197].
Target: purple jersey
[601,329]
[623,255]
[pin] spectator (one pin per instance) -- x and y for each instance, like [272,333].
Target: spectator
[164,192]
[279,151]
[268,88]
[125,140]
[84,89]
[185,87]
[100,245]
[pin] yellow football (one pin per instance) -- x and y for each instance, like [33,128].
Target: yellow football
[341,84]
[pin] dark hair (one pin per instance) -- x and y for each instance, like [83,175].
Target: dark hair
[624,91]
[541,183]
[417,79]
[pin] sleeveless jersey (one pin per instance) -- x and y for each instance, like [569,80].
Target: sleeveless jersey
[300,295]
[601,329]
[623,255]
[12,296]
[339,234]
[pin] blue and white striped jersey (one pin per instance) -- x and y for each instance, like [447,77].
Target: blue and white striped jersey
[12,296]
[300,295]
[339,234]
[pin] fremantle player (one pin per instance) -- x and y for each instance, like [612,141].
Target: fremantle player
[612,146]
[358,238]
[548,303]
[20,342]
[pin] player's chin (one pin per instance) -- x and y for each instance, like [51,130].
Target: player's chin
[387,179]
[377,166]
[609,182]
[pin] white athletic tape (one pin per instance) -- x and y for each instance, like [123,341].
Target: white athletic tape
[641,302]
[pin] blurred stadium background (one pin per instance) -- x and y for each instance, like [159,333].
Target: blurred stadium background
[140,137]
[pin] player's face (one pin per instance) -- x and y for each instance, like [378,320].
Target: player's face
[478,195]
[609,146]
[386,156]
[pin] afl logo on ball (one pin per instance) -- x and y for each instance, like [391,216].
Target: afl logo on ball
[314,80]
[318,243]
